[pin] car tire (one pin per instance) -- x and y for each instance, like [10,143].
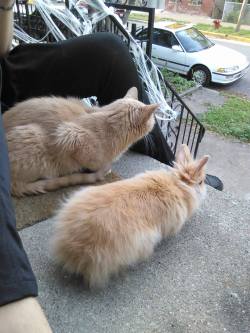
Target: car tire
[201,75]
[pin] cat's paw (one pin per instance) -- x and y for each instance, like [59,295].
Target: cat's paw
[103,172]
[107,169]
[100,175]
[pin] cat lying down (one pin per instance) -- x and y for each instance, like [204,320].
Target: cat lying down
[101,230]
[50,139]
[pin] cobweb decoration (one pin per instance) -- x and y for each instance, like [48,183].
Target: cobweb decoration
[80,19]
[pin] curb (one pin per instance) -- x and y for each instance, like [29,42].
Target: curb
[224,36]
[187,92]
[190,91]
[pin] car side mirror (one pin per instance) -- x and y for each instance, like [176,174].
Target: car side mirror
[177,48]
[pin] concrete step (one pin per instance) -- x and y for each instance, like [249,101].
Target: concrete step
[197,281]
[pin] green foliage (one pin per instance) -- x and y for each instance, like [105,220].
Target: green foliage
[223,30]
[230,119]
[144,17]
[233,16]
[178,82]
[138,16]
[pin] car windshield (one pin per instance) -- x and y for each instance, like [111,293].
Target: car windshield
[192,40]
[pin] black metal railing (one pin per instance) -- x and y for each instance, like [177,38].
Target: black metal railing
[150,24]
[110,24]
[185,129]
[30,20]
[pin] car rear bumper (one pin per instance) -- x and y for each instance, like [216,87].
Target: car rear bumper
[224,78]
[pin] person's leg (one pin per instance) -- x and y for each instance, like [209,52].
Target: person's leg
[154,144]
[23,316]
[16,277]
[92,65]
[19,310]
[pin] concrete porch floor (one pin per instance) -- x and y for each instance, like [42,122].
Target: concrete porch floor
[197,281]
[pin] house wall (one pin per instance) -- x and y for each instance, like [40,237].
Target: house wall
[207,7]
[202,7]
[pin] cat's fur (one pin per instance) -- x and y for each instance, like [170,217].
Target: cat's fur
[50,139]
[102,229]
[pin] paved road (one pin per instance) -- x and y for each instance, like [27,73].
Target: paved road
[242,86]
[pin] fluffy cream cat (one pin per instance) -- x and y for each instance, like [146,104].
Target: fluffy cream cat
[103,229]
[50,139]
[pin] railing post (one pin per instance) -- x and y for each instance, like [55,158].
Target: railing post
[151,19]
[133,29]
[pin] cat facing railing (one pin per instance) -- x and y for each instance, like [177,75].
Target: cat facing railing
[186,128]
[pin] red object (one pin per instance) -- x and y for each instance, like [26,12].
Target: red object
[217,24]
[120,12]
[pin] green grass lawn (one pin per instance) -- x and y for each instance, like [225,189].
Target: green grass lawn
[231,119]
[223,30]
[179,83]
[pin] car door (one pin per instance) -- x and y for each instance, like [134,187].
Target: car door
[163,53]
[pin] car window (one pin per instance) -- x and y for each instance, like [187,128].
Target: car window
[192,40]
[160,37]
[174,40]
[164,38]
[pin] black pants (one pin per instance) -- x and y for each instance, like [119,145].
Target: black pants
[94,65]
[16,277]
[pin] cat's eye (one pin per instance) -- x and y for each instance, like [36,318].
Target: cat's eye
[200,182]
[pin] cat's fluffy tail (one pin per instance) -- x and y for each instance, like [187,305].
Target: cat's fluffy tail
[20,189]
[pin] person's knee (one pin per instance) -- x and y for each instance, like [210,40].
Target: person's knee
[113,40]
[112,44]
[23,316]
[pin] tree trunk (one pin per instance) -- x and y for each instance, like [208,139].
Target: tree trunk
[127,12]
[242,11]
[125,17]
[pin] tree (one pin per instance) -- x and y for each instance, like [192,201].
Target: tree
[127,12]
[242,12]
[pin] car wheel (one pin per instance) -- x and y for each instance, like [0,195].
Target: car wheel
[201,75]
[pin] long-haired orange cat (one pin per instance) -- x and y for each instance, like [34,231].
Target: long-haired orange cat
[101,230]
[50,139]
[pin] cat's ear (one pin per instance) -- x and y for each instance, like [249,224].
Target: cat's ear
[200,164]
[148,110]
[183,155]
[132,93]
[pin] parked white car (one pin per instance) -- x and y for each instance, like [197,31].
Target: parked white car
[183,49]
